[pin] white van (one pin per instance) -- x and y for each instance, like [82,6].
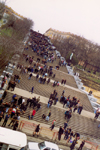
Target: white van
[12,140]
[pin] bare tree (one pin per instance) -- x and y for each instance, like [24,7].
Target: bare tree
[2,9]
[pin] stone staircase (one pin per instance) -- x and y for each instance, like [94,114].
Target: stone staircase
[62,73]
[83,125]
[78,123]
[45,90]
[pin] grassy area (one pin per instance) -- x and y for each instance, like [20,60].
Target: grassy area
[93,79]
[7,32]
[89,79]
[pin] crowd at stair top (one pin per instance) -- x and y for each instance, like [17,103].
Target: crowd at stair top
[45,53]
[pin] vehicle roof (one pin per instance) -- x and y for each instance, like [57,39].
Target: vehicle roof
[12,137]
[51,145]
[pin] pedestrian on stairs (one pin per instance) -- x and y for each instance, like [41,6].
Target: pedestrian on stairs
[30,76]
[73,144]
[48,116]
[32,89]
[53,125]
[81,145]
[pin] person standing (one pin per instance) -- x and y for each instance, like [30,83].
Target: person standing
[30,76]
[38,106]
[81,145]
[63,92]
[33,113]
[32,89]
[14,118]
[13,98]
[97,113]
[60,132]
[53,124]
[20,100]
[13,86]
[37,76]
[65,125]
[55,100]
[64,102]
[73,144]
[1,115]
[5,120]
[48,116]
[15,126]
[4,94]
[81,108]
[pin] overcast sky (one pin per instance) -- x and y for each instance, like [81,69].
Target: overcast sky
[81,17]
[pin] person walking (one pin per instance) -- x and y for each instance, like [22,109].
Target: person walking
[48,116]
[81,145]
[73,144]
[53,125]
[32,89]
[37,129]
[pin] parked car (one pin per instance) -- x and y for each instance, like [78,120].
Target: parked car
[43,146]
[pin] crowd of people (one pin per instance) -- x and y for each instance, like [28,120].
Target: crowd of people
[11,111]
[69,103]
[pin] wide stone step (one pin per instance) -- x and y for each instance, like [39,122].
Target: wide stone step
[45,90]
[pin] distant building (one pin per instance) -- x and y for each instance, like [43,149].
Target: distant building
[52,33]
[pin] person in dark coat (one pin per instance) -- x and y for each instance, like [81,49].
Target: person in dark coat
[4,94]
[37,129]
[32,89]
[73,144]
[48,81]
[20,100]
[81,145]
[15,126]
[60,132]
[5,120]
[65,125]
[30,76]
[1,115]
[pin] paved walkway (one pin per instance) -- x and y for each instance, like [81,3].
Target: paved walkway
[43,99]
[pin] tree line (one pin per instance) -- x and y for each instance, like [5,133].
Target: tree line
[12,34]
[84,50]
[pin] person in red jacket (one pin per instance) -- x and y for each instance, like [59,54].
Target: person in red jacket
[33,113]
